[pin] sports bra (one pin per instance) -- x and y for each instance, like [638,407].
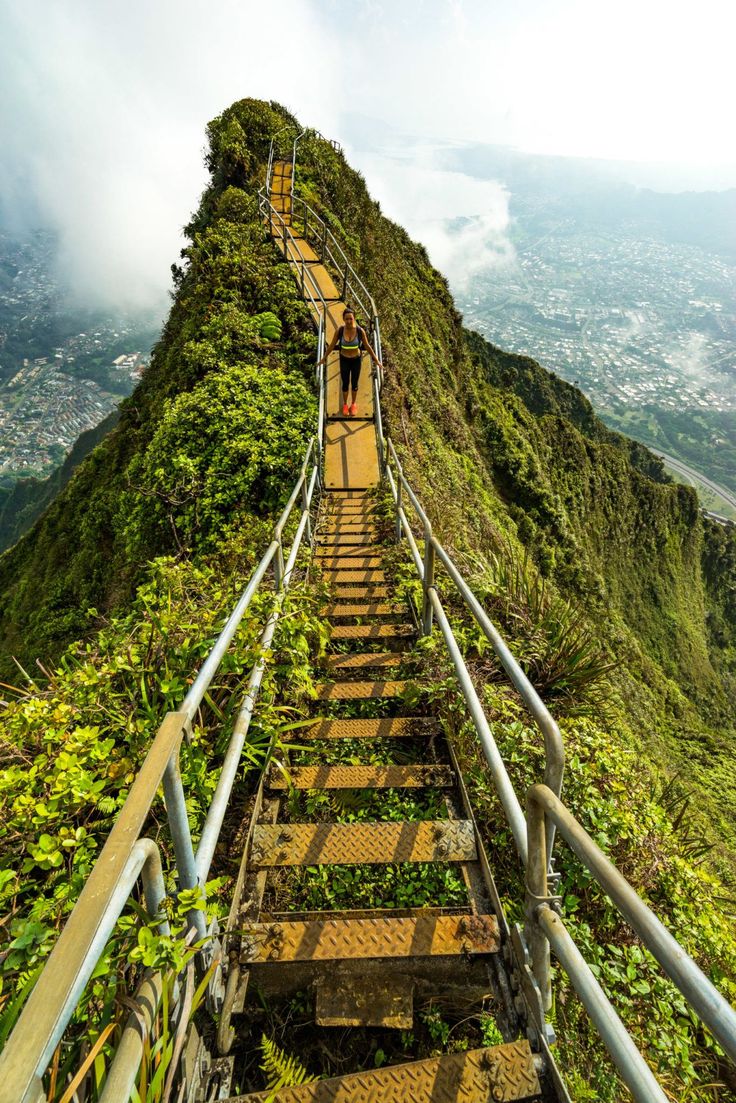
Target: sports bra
[350,348]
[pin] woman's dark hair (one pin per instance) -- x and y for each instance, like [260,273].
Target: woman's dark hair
[348,310]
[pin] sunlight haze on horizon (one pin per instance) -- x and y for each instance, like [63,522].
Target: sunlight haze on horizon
[104,108]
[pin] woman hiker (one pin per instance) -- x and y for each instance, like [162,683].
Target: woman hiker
[351,339]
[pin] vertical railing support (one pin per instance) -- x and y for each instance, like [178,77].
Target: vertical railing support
[278,565]
[537,894]
[181,837]
[345,284]
[399,488]
[428,582]
[305,509]
[324,239]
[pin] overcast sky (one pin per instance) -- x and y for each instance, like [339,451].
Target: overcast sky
[103,105]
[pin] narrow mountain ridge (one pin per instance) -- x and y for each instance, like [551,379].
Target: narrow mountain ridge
[511,461]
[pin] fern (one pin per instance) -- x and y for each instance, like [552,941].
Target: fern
[282,1070]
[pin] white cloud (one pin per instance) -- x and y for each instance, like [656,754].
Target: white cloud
[105,110]
[463,222]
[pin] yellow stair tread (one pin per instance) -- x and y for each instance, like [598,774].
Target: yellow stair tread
[370,631]
[380,937]
[361,777]
[358,691]
[387,727]
[499,1074]
[311,844]
[365,659]
[363,609]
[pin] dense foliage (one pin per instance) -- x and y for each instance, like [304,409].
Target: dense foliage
[619,597]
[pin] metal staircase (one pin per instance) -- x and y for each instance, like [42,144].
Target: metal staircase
[367,969]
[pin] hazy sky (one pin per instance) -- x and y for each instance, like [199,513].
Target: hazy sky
[103,104]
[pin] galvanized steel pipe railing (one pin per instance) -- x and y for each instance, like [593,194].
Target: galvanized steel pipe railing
[542,804]
[127,853]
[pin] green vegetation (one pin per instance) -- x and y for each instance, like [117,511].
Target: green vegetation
[618,596]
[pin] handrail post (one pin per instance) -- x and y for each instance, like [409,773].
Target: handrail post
[428,581]
[345,282]
[278,565]
[305,510]
[324,239]
[181,837]
[536,895]
[399,488]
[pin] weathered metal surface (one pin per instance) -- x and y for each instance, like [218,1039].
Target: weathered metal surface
[366,1001]
[361,777]
[311,844]
[351,458]
[363,660]
[348,558]
[358,691]
[358,592]
[364,609]
[502,1074]
[339,574]
[370,631]
[353,525]
[332,538]
[378,937]
[390,727]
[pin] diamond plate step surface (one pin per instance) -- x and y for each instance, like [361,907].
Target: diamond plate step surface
[364,609]
[331,539]
[370,631]
[339,574]
[393,727]
[362,777]
[349,559]
[311,844]
[367,1001]
[359,592]
[366,660]
[500,1074]
[358,691]
[351,939]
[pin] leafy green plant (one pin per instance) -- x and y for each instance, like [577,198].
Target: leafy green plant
[282,1070]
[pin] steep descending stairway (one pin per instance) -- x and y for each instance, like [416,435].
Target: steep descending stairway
[368,967]
[351,459]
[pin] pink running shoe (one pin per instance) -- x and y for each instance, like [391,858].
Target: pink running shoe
[345,410]
[354,409]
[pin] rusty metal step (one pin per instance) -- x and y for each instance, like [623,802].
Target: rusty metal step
[353,523]
[364,609]
[359,557]
[370,631]
[328,939]
[341,574]
[327,844]
[339,538]
[365,660]
[366,1001]
[388,727]
[499,1074]
[359,593]
[358,691]
[417,776]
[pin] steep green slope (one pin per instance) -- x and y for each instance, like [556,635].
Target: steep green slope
[511,461]
[172,475]
[557,517]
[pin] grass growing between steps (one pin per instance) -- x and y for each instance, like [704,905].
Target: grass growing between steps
[440,1026]
[640,820]
[366,805]
[347,888]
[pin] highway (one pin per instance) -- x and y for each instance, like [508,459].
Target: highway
[682,469]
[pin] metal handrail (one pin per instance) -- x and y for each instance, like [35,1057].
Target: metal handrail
[534,835]
[126,852]
[62,981]
[547,928]
[554,748]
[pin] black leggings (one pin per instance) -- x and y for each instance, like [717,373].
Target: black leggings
[350,372]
